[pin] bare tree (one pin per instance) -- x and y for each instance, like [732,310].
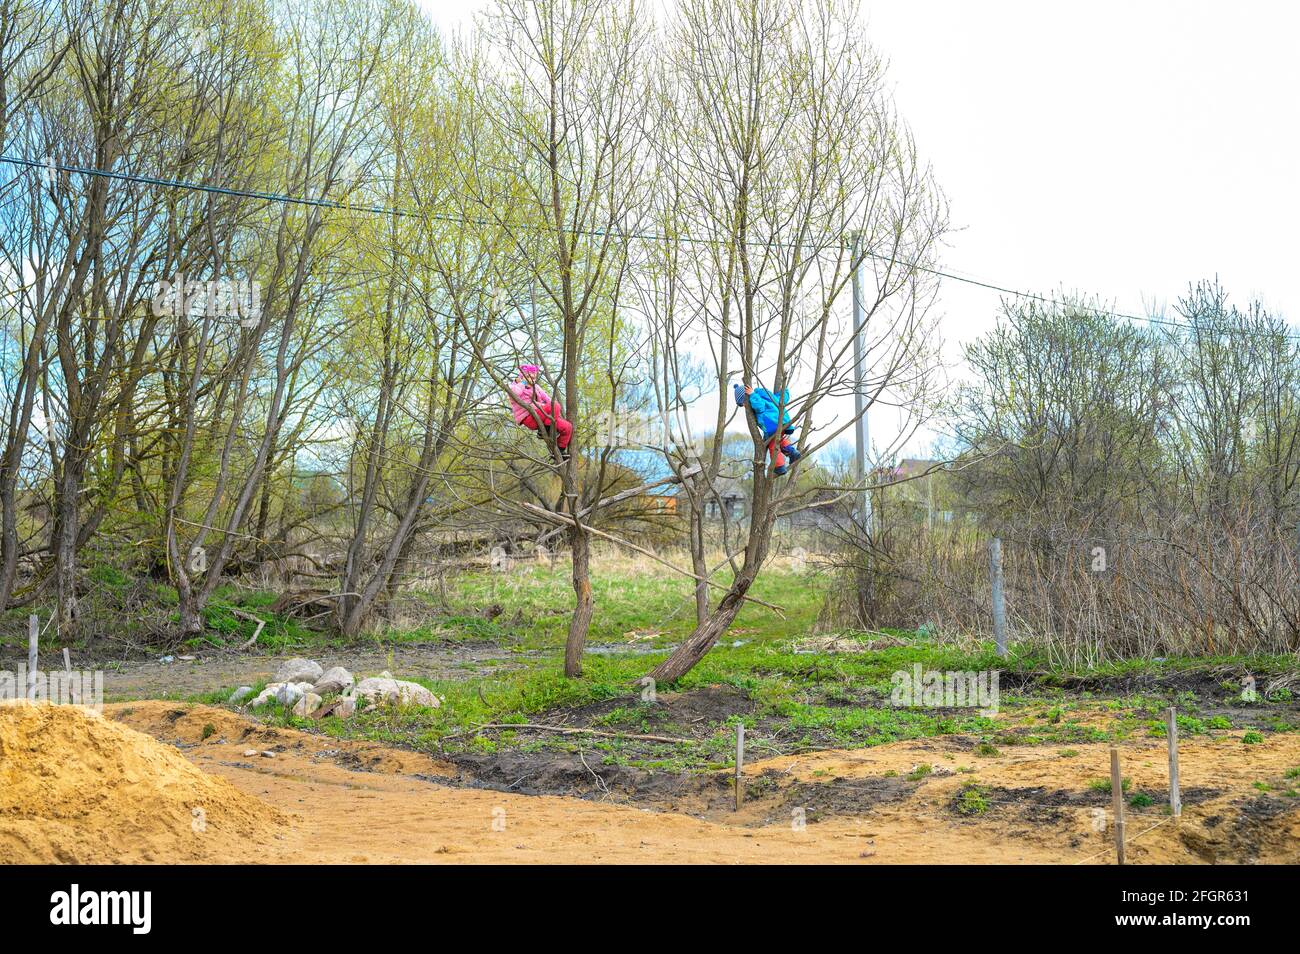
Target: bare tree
[428,317]
[789,146]
[570,95]
[34,40]
[98,241]
[331,62]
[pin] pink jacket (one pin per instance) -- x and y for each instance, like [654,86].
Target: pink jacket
[530,396]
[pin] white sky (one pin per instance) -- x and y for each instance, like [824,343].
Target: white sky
[1117,148]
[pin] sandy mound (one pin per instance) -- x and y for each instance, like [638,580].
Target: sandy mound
[75,787]
[209,728]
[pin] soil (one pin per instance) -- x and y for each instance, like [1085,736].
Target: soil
[679,714]
[1206,684]
[355,802]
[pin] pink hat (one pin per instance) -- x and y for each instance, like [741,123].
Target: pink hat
[529,368]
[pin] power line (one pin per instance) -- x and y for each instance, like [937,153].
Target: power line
[1048,300]
[215,190]
[596,233]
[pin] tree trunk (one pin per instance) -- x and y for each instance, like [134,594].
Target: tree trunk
[699,566]
[708,632]
[584,605]
[65,551]
[689,653]
[191,623]
[19,425]
[384,574]
[8,539]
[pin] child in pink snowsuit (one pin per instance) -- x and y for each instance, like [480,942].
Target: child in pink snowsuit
[533,407]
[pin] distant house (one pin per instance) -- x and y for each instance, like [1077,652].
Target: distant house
[651,503]
[913,467]
[730,500]
[824,508]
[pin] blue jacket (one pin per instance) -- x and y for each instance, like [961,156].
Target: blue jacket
[765,405]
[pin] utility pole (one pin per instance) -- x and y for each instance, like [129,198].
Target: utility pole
[929,502]
[860,404]
[865,599]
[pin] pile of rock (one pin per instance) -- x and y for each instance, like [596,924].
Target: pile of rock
[302,686]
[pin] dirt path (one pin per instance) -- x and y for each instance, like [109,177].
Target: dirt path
[361,802]
[152,679]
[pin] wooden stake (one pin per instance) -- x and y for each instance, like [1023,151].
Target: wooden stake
[740,762]
[1175,795]
[1117,802]
[67,668]
[33,639]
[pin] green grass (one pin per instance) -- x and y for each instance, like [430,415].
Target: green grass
[656,604]
[1103,785]
[109,589]
[972,800]
[798,700]
[785,686]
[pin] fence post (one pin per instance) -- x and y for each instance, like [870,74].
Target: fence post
[33,639]
[1175,796]
[740,761]
[67,669]
[1117,802]
[999,600]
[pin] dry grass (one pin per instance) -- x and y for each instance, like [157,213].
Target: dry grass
[1186,592]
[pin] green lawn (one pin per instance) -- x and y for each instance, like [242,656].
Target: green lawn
[799,700]
[792,700]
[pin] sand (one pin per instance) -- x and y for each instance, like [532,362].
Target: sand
[325,800]
[75,787]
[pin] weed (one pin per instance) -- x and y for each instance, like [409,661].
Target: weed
[972,800]
[1103,785]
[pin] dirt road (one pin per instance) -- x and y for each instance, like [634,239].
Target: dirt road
[154,679]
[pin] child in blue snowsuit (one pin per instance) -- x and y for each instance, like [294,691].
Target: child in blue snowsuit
[766,406]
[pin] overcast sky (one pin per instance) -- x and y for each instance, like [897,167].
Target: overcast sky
[1123,149]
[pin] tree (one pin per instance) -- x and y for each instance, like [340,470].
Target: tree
[423,319]
[570,97]
[788,146]
[1063,419]
[331,67]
